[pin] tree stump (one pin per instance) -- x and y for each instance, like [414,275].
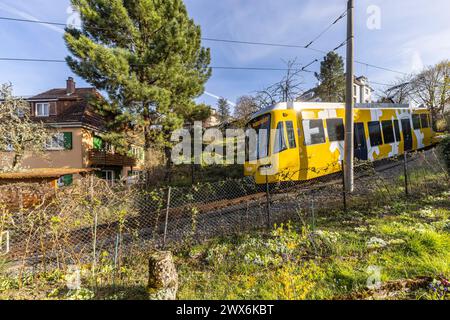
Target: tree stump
[162,276]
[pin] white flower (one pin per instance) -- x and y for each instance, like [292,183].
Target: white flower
[375,243]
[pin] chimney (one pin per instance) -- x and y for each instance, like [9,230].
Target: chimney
[70,86]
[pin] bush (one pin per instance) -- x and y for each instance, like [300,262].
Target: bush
[445,151]
[443,124]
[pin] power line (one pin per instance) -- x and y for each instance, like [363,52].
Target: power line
[327,29]
[229,41]
[213,67]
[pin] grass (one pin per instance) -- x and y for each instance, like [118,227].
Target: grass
[402,241]
[392,243]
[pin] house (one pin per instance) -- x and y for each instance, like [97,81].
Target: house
[362,92]
[77,141]
[213,120]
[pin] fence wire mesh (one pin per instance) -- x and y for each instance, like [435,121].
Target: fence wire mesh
[76,224]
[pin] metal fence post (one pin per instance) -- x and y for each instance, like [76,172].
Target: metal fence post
[167,216]
[94,244]
[405,170]
[268,201]
[344,190]
[7,247]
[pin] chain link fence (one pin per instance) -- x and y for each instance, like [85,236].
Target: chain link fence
[76,224]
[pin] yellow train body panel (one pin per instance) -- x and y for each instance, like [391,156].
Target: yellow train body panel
[306,140]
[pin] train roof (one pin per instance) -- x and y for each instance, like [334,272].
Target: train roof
[299,106]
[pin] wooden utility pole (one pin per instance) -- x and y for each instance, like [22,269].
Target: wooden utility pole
[349,103]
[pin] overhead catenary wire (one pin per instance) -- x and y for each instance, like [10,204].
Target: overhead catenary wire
[229,41]
[327,29]
[213,67]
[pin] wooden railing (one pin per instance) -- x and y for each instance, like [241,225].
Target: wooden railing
[104,158]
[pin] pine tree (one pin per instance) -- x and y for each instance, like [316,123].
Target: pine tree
[223,110]
[147,56]
[331,78]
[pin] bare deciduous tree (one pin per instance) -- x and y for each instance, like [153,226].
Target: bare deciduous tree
[432,88]
[288,89]
[400,91]
[245,107]
[18,133]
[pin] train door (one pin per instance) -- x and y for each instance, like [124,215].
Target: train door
[360,141]
[407,134]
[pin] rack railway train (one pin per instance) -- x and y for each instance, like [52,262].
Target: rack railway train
[305,140]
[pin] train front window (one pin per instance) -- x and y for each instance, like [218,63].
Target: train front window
[258,137]
[280,142]
[291,134]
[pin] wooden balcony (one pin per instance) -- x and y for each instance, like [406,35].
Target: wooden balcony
[104,158]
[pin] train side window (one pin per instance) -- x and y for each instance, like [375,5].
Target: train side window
[388,132]
[280,142]
[314,132]
[376,138]
[398,137]
[424,121]
[336,130]
[291,134]
[416,121]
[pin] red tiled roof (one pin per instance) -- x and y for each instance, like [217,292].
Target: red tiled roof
[80,93]
[79,111]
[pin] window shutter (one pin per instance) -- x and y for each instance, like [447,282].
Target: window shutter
[52,108]
[98,143]
[68,180]
[68,140]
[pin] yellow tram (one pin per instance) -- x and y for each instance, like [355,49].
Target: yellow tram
[305,140]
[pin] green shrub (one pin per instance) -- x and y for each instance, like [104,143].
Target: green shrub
[445,151]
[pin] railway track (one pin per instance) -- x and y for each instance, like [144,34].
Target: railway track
[181,214]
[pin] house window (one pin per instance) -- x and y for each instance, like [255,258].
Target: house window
[137,153]
[388,132]
[335,129]
[376,138]
[42,109]
[355,90]
[314,132]
[56,142]
[109,176]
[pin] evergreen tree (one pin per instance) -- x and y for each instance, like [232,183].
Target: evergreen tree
[223,110]
[147,56]
[331,78]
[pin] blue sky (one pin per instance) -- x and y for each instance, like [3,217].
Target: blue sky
[412,34]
